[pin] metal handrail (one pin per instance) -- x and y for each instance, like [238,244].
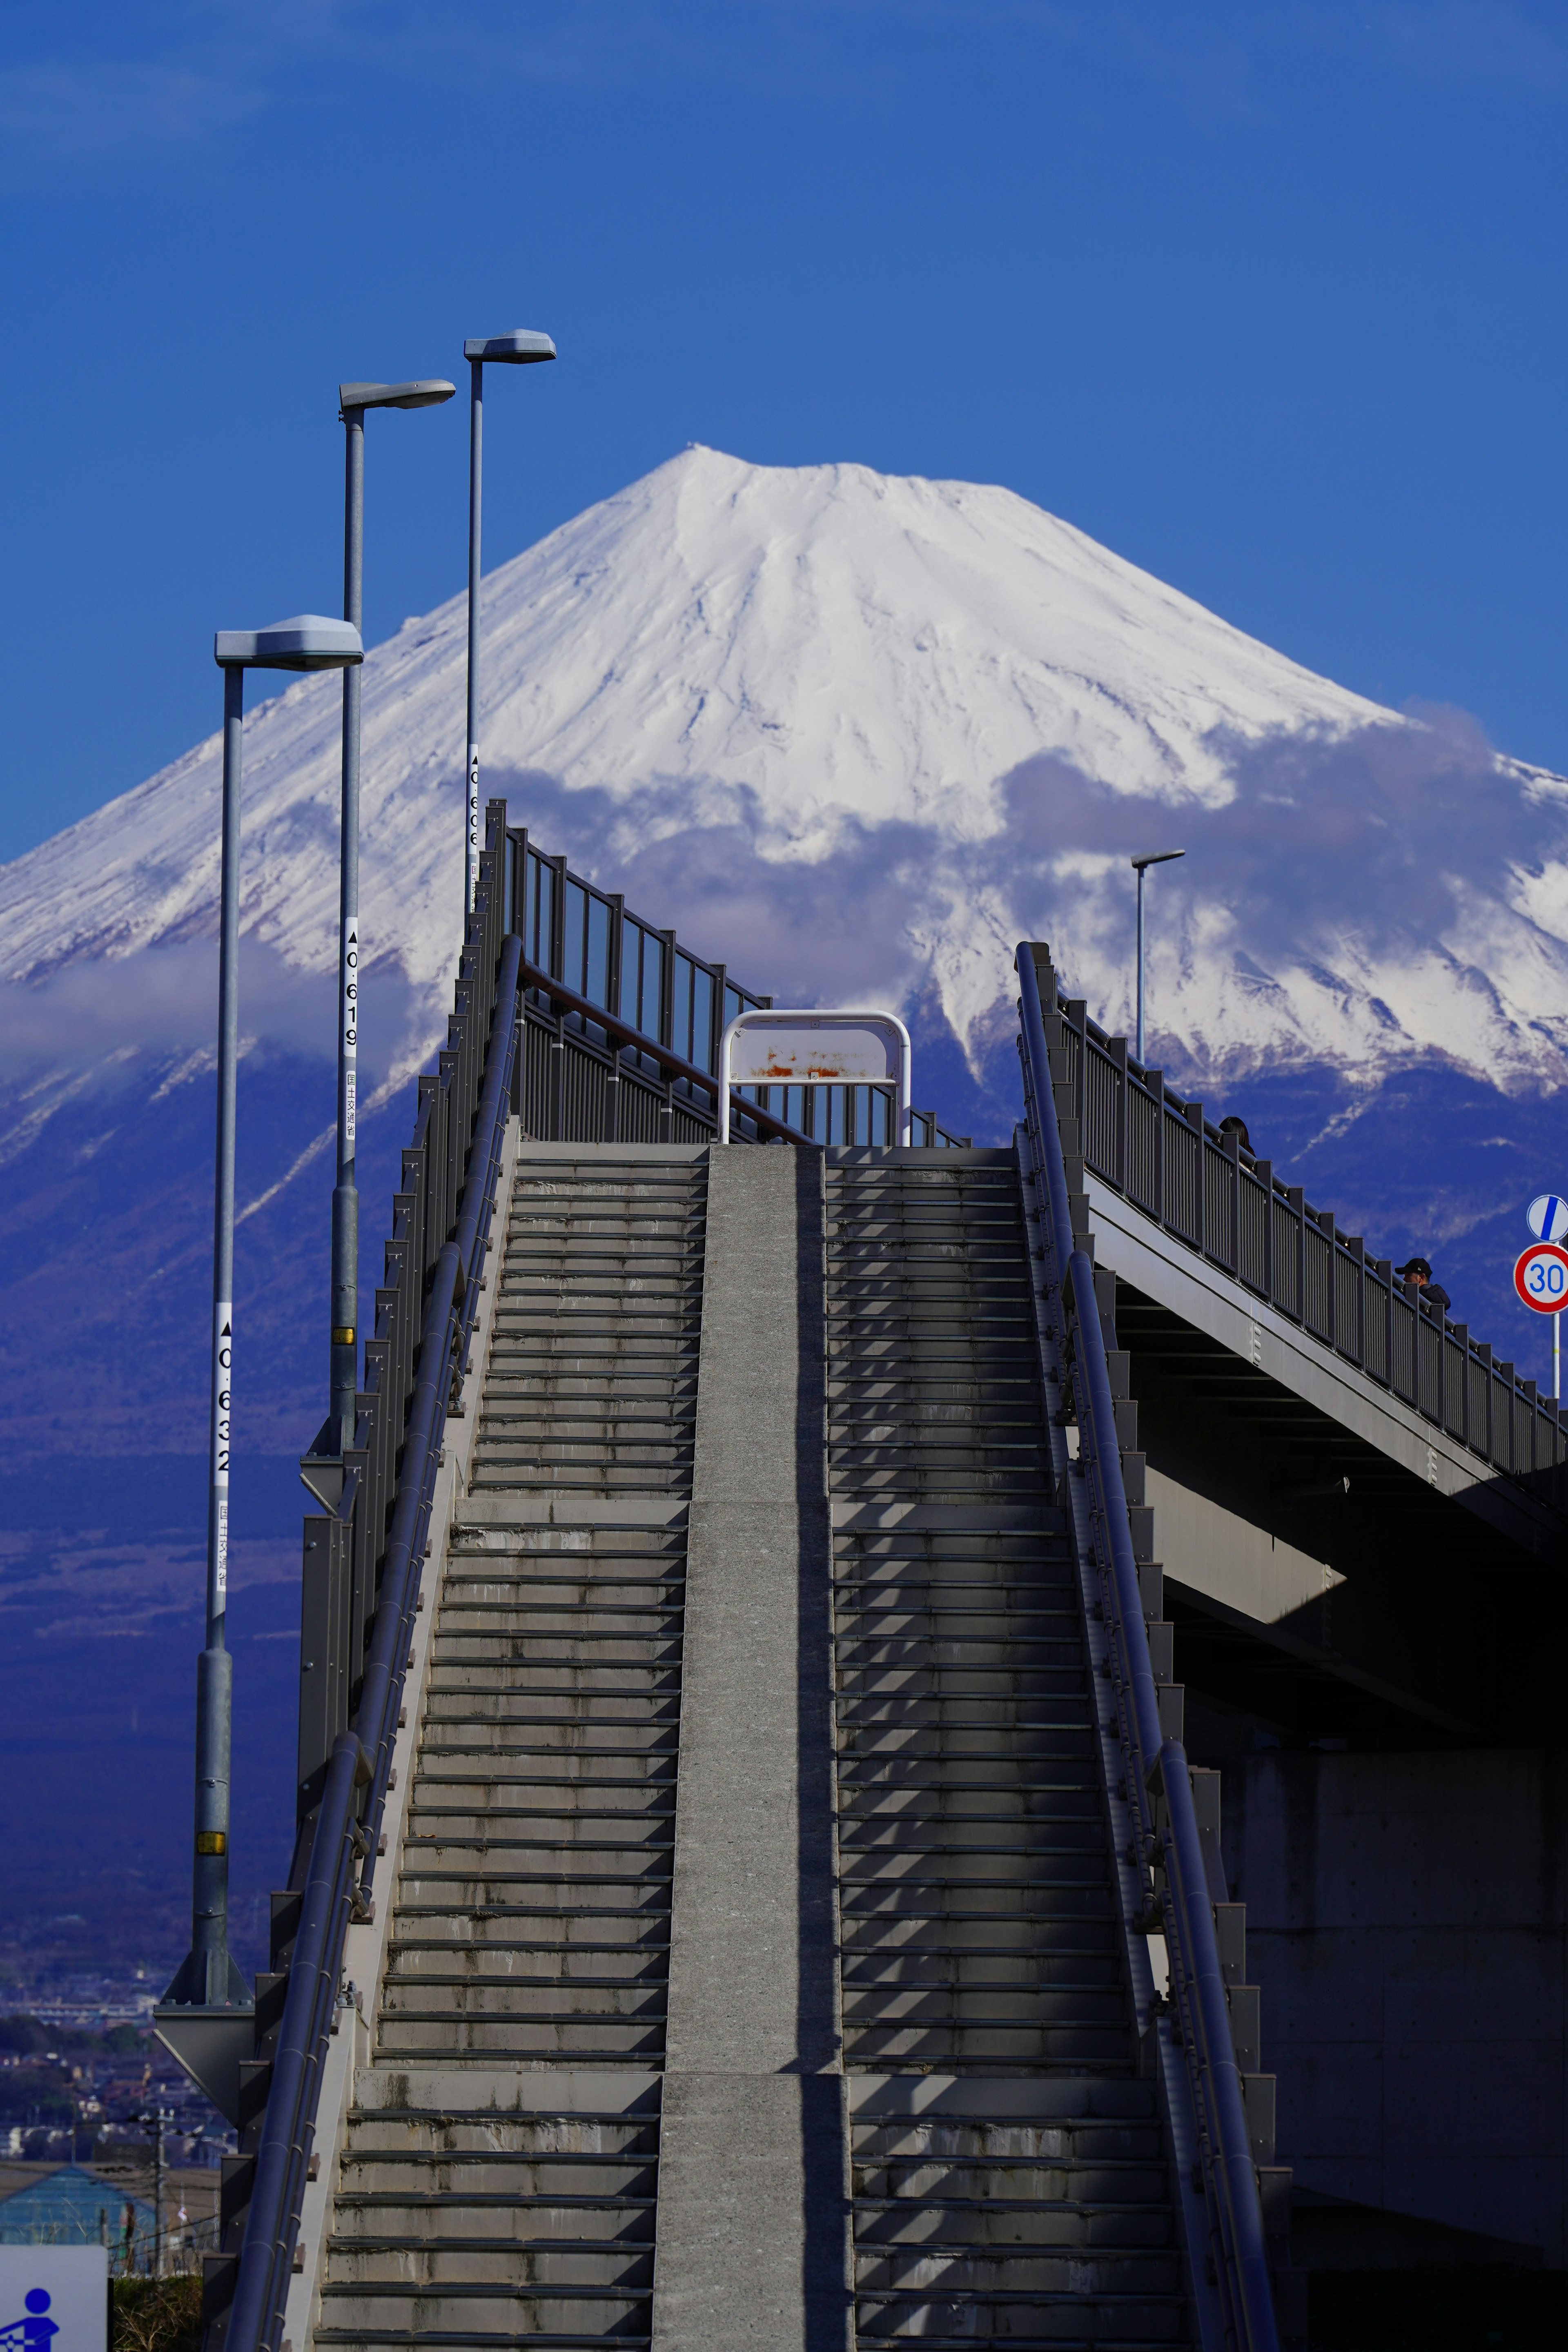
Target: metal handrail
[363,1755]
[1226,1203]
[1159,1786]
[624,1033]
[674,1064]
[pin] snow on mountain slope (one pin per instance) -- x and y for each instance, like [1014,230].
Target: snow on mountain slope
[857,733]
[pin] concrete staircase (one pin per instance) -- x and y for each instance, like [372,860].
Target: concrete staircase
[499,2177]
[1009,2176]
[967,2090]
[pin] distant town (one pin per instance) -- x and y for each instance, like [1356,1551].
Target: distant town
[73,2094]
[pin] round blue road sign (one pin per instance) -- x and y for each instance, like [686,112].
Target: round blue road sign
[1547,1217]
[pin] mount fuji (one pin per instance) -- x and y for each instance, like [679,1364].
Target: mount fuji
[856,735]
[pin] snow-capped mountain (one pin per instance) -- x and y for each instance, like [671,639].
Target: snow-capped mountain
[854,735]
[860,733]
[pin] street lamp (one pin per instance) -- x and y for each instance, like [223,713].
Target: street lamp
[523,347]
[1154,857]
[205,2017]
[353,399]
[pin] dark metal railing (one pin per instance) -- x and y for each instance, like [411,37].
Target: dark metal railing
[1158,1784]
[1226,1203]
[584,1074]
[622,1025]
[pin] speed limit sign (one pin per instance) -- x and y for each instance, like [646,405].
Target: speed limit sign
[1541,1278]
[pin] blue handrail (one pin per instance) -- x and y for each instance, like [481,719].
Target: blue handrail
[1159,1786]
[363,1754]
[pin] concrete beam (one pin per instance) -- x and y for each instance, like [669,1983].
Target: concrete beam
[754,2241]
[1217,1551]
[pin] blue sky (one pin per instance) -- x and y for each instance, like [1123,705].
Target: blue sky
[1270,300]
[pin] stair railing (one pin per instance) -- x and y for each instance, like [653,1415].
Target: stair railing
[561,1108]
[623,1024]
[1159,1784]
[346,1834]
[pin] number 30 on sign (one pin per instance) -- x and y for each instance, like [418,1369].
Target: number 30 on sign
[1541,1278]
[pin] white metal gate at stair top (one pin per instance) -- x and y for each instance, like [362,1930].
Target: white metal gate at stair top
[781,1046]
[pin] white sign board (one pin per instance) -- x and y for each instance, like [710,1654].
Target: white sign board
[783,1048]
[54,2298]
[1547,1217]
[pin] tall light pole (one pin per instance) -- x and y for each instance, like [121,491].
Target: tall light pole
[1139,864]
[353,399]
[520,348]
[207,1979]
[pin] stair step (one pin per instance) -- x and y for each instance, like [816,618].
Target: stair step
[979,1931]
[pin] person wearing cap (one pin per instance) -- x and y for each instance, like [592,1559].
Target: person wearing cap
[1416,1275]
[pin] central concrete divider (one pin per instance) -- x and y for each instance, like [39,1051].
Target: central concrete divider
[754,2213]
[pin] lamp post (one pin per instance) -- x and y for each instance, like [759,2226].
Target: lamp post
[353,399]
[1139,864]
[207,1981]
[521,347]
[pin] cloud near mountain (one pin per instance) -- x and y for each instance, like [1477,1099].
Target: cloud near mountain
[857,735]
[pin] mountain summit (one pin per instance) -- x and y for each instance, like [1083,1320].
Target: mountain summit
[859,732]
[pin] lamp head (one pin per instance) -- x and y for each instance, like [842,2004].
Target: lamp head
[1155,857]
[308,641]
[428,391]
[518,349]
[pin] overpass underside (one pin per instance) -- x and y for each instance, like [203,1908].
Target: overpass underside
[1338,1570]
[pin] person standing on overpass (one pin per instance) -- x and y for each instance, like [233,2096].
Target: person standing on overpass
[1416,1275]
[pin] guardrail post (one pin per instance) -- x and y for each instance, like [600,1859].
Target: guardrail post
[1440,1333]
[1459,1334]
[1157,1083]
[1297,1201]
[1075,1011]
[1233,1154]
[1195,1117]
[557,958]
[558,1081]
[1530,1393]
[1117,1051]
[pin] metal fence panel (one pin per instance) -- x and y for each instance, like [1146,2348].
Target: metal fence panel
[1181,1179]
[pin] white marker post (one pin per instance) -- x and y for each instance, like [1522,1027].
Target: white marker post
[782,1048]
[1547,1217]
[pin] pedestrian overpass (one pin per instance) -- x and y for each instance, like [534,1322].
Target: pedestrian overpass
[770,1661]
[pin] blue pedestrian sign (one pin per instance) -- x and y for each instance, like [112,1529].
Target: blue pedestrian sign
[1547,1217]
[54,2298]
